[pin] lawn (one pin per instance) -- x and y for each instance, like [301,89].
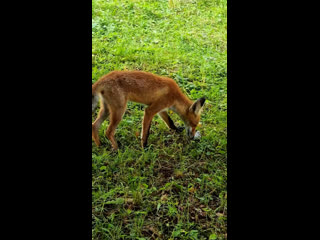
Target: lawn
[175,189]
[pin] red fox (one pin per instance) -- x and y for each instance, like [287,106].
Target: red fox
[159,93]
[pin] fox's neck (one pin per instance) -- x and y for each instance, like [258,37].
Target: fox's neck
[181,106]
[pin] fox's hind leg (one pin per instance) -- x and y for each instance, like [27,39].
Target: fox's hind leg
[115,118]
[102,116]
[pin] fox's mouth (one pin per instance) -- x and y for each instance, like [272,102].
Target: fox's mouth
[190,135]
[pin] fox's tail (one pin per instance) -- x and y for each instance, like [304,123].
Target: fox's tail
[95,100]
[95,97]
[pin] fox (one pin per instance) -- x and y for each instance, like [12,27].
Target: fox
[159,93]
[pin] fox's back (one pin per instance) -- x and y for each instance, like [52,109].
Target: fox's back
[137,86]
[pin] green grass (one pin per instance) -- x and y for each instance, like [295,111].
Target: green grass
[175,189]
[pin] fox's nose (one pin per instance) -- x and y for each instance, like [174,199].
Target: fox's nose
[190,135]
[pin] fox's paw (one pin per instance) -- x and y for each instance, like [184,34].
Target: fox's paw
[119,144]
[144,145]
[97,143]
[180,129]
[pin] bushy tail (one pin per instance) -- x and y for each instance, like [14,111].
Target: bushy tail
[97,95]
[95,98]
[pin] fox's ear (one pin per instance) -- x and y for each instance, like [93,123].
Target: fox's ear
[196,107]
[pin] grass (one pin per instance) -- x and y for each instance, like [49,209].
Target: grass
[175,189]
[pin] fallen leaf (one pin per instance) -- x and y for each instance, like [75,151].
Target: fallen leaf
[164,197]
[129,200]
[220,214]
[192,190]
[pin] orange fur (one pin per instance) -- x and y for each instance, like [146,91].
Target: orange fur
[159,93]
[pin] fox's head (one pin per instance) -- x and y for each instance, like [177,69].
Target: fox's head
[193,117]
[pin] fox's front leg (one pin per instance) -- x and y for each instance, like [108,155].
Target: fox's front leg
[149,113]
[146,128]
[166,118]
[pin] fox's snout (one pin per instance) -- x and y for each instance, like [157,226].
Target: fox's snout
[190,133]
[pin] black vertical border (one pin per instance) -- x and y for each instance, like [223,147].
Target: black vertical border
[89,93]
